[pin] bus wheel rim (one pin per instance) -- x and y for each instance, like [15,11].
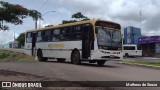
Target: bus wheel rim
[75,57]
[39,55]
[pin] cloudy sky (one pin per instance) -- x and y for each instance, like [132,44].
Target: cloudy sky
[125,12]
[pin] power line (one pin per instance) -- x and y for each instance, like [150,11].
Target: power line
[43,4]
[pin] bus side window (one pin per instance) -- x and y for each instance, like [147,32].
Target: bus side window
[55,35]
[76,32]
[47,36]
[29,37]
[39,36]
[65,34]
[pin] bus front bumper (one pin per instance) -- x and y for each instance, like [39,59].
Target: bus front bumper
[107,55]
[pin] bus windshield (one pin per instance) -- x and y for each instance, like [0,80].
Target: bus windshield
[108,38]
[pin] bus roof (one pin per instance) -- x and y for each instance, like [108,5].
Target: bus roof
[70,24]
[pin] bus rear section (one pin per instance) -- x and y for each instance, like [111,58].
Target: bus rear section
[132,50]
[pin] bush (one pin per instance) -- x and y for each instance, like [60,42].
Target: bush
[3,55]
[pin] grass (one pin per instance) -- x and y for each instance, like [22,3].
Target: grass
[14,56]
[147,63]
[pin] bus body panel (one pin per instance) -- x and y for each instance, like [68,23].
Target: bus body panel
[58,49]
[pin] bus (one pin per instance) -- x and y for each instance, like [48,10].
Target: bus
[95,41]
[132,50]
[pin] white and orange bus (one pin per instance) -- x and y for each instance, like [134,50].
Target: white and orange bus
[91,40]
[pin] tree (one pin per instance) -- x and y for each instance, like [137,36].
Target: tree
[21,39]
[78,16]
[65,21]
[14,14]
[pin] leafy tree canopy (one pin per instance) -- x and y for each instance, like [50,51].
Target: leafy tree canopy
[14,14]
[78,16]
[21,39]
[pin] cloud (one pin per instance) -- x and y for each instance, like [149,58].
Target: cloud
[7,36]
[64,11]
[125,12]
[152,25]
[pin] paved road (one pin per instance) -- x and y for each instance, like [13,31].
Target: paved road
[111,71]
[52,70]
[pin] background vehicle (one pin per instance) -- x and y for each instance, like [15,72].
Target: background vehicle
[92,40]
[132,50]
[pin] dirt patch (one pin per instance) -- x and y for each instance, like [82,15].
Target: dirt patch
[14,56]
[8,75]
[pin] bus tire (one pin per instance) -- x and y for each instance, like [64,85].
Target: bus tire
[40,56]
[75,57]
[61,59]
[101,63]
[126,55]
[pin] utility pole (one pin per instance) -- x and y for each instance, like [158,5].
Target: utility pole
[1,45]
[44,15]
[14,36]
[36,20]
[140,13]
[36,23]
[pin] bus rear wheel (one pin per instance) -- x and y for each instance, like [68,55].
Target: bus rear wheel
[40,56]
[75,57]
[61,59]
[101,63]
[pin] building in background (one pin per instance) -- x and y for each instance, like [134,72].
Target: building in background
[13,44]
[6,45]
[150,45]
[131,35]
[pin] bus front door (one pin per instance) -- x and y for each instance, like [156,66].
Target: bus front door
[86,42]
[33,43]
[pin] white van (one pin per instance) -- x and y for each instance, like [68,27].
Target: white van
[132,50]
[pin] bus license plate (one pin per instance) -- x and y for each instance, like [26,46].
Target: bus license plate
[112,56]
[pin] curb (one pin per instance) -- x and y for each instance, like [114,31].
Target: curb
[141,65]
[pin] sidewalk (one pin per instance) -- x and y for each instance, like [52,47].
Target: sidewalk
[150,58]
[129,61]
[144,59]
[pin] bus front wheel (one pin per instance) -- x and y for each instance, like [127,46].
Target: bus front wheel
[101,63]
[75,57]
[40,56]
